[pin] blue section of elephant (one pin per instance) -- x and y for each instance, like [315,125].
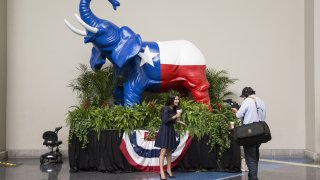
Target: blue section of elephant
[141,78]
[153,73]
[122,47]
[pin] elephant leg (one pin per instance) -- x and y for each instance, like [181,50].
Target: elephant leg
[119,95]
[132,94]
[200,92]
[201,96]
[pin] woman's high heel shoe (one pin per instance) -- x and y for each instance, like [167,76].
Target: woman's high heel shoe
[173,177]
[161,178]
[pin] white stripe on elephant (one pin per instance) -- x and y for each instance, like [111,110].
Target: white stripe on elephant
[180,52]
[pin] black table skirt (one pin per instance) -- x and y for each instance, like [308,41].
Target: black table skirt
[101,154]
[104,155]
[199,157]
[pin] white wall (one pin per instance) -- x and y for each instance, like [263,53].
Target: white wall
[317,75]
[312,67]
[310,78]
[260,42]
[3,71]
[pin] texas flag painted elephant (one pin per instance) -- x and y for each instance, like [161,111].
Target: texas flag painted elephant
[146,66]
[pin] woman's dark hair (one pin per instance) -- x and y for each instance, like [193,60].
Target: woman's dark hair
[170,101]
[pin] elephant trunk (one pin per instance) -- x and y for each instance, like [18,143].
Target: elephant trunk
[86,13]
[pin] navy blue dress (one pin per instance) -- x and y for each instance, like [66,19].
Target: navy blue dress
[166,137]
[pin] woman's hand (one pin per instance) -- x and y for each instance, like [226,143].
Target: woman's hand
[179,112]
[177,116]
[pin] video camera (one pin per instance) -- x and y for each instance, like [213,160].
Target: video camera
[231,103]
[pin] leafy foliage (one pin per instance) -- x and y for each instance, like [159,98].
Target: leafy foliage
[95,88]
[219,82]
[199,120]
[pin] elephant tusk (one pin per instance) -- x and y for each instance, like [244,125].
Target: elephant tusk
[85,25]
[75,30]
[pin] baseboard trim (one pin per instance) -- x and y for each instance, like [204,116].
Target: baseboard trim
[270,153]
[3,155]
[264,153]
[31,153]
[312,155]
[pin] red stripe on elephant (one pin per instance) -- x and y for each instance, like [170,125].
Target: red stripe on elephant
[186,77]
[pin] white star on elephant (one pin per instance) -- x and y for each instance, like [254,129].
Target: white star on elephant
[147,56]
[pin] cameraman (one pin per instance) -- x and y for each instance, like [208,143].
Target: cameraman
[251,110]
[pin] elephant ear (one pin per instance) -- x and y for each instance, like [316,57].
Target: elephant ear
[96,60]
[128,47]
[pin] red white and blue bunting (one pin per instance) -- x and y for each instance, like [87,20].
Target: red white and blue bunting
[144,156]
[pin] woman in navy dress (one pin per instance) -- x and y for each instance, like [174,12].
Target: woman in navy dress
[166,136]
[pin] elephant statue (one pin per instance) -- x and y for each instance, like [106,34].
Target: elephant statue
[147,66]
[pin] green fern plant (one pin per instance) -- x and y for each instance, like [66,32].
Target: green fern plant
[219,82]
[94,88]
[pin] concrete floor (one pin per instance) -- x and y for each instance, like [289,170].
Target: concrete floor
[269,169]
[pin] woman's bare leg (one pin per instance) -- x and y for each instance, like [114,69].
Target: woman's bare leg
[161,162]
[169,159]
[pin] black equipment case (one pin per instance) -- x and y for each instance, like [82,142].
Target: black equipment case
[251,134]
